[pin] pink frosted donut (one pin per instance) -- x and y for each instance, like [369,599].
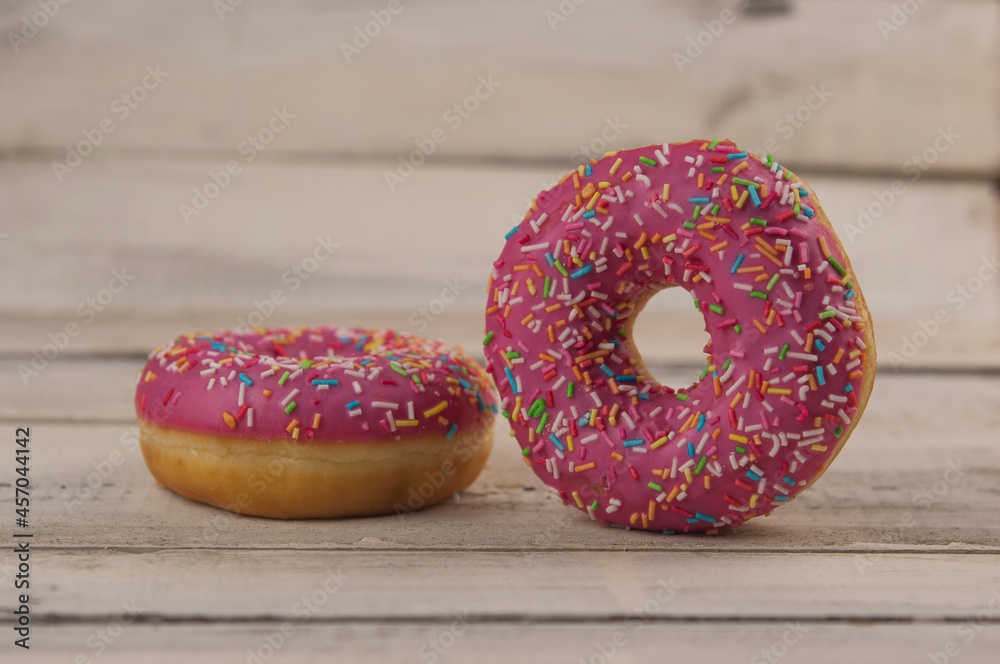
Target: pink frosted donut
[314,422]
[791,359]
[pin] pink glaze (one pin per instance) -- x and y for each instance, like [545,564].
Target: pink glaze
[779,308]
[319,385]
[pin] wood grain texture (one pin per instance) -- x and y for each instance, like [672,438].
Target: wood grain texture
[431,241]
[907,481]
[226,76]
[445,640]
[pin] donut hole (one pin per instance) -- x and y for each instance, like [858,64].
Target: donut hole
[670,336]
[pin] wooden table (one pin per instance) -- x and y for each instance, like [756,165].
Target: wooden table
[894,556]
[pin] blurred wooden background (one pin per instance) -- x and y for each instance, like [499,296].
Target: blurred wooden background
[890,110]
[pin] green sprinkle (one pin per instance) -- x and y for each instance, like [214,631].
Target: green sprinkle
[848,284]
[759,222]
[838,266]
[696,213]
[711,146]
[738,328]
[828,314]
[717,309]
[290,408]
[654,486]
[395,367]
[537,408]
[506,414]
[839,431]
[513,354]
[715,210]
[548,285]
[559,266]
[305,364]
[569,389]
[526,451]
[689,225]
[745,183]
[796,209]
[773,282]
[784,352]
[760,295]
[726,364]
[647,161]
[718,169]
[284,377]
[697,304]
[701,465]
[593,505]
[703,374]
[740,449]
[621,332]
[488,339]
[682,396]
[541,423]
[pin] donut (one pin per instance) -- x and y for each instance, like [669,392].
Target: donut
[790,361]
[316,422]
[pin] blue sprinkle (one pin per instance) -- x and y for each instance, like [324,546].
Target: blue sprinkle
[625,379]
[788,480]
[608,371]
[510,379]
[644,397]
[451,431]
[754,196]
[353,404]
[701,422]
[736,155]
[634,442]
[511,233]
[324,381]
[555,441]
[850,294]
[464,383]
[548,257]
[819,344]
[691,450]
[808,210]
[588,171]
[752,475]
[479,401]
[781,498]
[245,380]
[704,517]
[819,376]
[848,388]
[736,265]
[361,342]
[582,271]
[701,199]
[589,213]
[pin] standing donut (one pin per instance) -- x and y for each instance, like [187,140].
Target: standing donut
[791,358]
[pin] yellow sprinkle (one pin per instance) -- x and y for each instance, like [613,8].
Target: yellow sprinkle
[614,168]
[579,501]
[406,423]
[658,442]
[666,192]
[586,466]
[738,438]
[436,409]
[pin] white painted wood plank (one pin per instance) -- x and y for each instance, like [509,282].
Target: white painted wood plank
[912,479]
[438,234]
[172,584]
[446,641]
[890,94]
